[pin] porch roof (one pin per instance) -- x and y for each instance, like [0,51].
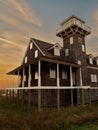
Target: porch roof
[15,71]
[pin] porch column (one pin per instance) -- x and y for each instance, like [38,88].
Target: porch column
[18,79]
[23,78]
[13,94]
[22,91]
[13,81]
[71,84]
[58,91]
[7,94]
[89,94]
[82,91]
[29,85]
[39,85]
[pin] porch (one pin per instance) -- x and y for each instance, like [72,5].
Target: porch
[34,78]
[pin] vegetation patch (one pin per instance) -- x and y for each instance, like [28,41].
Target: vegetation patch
[14,116]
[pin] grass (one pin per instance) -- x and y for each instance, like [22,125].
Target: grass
[17,117]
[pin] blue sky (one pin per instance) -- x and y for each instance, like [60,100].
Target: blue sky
[22,19]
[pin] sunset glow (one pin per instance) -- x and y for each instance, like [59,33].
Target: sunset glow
[22,19]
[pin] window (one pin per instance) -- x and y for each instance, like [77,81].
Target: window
[52,72]
[79,39]
[71,40]
[31,45]
[79,62]
[26,59]
[57,51]
[36,53]
[36,74]
[97,61]
[64,73]
[93,78]
[83,49]
[90,59]
[66,52]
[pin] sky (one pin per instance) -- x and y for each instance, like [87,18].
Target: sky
[22,19]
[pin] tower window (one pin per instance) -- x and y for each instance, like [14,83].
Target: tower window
[31,45]
[57,51]
[52,72]
[66,52]
[79,39]
[83,49]
[71,40]
[79,62]
[36,53]
[26,59]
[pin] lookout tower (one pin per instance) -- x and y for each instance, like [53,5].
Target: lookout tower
[73,25]
[73,31]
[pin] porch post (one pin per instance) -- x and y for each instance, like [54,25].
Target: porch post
[71,84]
[58,91]
[89,94]
[29,85]
[39,85]
[81,84]
[18,79]
[23,78]
[23,86]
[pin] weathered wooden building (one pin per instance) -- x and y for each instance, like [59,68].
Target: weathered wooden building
[55,75]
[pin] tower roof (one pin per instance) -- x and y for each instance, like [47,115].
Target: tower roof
[72,17]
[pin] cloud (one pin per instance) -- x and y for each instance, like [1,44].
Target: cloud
[19,10]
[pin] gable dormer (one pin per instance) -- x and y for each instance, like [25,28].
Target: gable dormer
[55,49]
[33,51]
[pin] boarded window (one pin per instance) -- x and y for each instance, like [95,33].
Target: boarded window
[36,53]
[64,73]
[52,72]
[31,45]
[71,40]
[26,59]
[66,52]
[56,51]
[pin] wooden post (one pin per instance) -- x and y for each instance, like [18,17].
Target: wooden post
[18,96]
[82,91]
[58,91]
[39,85]
[18,79]
[29,84]
[13,94]
[89,94]
[71,84]
[23,79]
[6,94]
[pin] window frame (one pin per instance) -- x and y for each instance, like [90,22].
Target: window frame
[66,52]
[56,51]
[26,59]
[31,45]
[52,72]
[36,53]
[64,75]
[71,40]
